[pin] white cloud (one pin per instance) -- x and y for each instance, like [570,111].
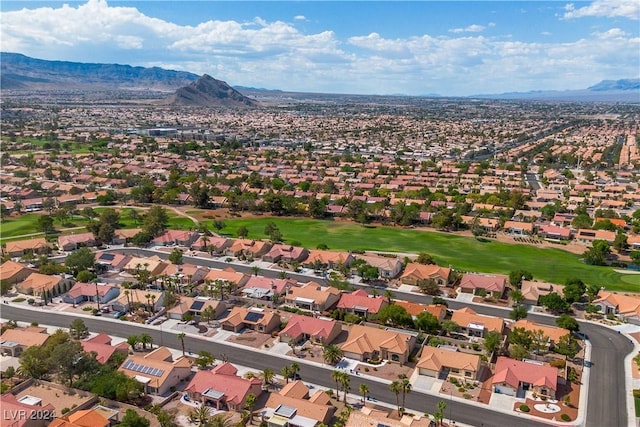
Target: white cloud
[275,54]
[474,28]
[605,8]
[299,18]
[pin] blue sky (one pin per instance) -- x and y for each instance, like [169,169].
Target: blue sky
[364,47]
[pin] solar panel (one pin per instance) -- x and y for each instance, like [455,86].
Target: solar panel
[253,316]
[197,305]
[132,366]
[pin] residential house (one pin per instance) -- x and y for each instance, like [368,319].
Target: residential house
[554,232]
[228,275]
[176,238]
[587,236]
[154,265]
[515,378]
[101,346]
[82,292]
[477,325]
[112,261]
[265,288]
[19,248]
[532,291]
[518,228]
[415,273]
[286,253]
[37,284]
[14,341]
[222,388]
[71,242]
[185,274]
[82,418]
[438,310]
[312,296]
[624,307]
[254,318]
[123,236]
[361,303]
[491,284]
[157,370]
[13,272]
[188,306]
[248,248]
[31,413]
[130,299]
[442,362]
[291,407]
[320,259]
[388,267]
[552,334]
[365,343]
[371,416]
[212,244]
[318,331]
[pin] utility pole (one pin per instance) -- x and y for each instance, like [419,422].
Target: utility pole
[95,281]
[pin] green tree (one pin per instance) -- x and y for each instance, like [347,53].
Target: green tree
[176,256]
[34,363]
[363,389]
[567,346]
[267,375]
[573,291]
[429,286]
[449,327]
[520,336]
[80,259]
[439,414]
[582,220]
[597,254]
[395,315]
[567,322]
[518,312]
[427,322]
[518,352]
[64,357]
[132,419]
[492,341]
[332,354]
[205,359]
[406,389]
[425,258]
[337,377]
[78,329]
[554,303]
[45,224]
[516,296]
[242,232]
[181,337]
[155,221]
[249,404]
[620,242]
[85,276]
[516,277]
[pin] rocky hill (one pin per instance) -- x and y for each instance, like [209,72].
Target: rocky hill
[209,92]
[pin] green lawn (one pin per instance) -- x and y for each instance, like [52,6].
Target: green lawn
[463,253]
[16,226]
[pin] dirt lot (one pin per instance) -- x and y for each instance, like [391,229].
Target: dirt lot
[252,339]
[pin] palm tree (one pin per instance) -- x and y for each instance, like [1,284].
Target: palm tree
[146,339]
[344,382]
[336,375]
[249,403]
[287,373]
[209,314]
[295,369]
[406,388]
[389,296]
[126,294]
[396,388]
[442,405]
[267,375]
[332,354]
[221,420]
[153,304]
[364,390]
[133,340]
[200,416]
[181,336]
[255,270]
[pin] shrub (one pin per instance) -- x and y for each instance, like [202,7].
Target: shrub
[636,393]
[461,389]
[467,396]
[558,363]
[565,417]
[64,410]
[20,299]
[475,346]
[524,408]
[30,301]
[87,308]
[366,369]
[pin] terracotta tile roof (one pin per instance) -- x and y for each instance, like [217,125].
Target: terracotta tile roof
[10,268]
[438,310]
[490,283]
[223,378]
[465,316]
[434,359]
[361,299]
[512,372]
[627,305]
[552,332]
[28,244]
[25,337]
[38,282]
[366,339]
[421,271]
[313,326]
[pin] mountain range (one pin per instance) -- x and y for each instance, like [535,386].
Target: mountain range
[22,73]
